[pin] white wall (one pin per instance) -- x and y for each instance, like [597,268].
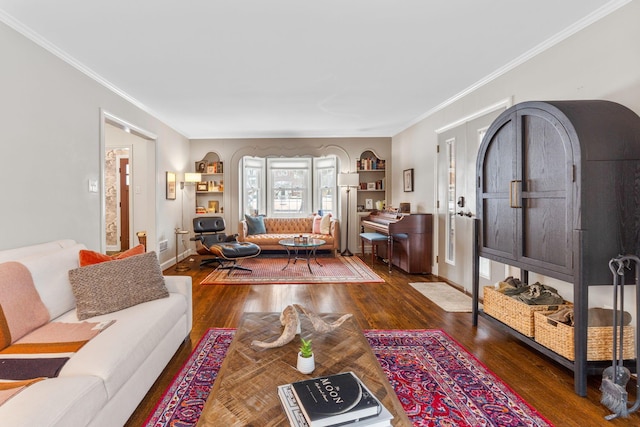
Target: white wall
[601,61]
[50,140]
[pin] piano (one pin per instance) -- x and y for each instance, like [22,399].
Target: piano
[410,239]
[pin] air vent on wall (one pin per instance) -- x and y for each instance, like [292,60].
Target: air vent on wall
[163,245]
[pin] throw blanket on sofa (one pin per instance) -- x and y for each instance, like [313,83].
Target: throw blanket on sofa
[42,354]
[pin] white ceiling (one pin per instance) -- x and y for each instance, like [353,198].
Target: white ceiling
[296,68]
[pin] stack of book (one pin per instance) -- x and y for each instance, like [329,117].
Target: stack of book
[334,400]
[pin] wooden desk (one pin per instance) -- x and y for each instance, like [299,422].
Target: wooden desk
[245,394]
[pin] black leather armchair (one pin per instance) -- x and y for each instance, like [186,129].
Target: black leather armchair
[226,250]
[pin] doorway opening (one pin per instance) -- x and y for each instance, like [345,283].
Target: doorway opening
[129,205]
[117,199]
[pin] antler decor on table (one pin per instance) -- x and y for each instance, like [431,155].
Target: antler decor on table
[319,324]
[291,322]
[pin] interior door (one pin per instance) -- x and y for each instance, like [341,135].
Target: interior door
[458,151]
[124,203]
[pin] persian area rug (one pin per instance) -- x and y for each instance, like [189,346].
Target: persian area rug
[444,296]
[437,382]
[267,271]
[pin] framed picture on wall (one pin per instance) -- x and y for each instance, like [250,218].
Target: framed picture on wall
[408,180]
[171,186]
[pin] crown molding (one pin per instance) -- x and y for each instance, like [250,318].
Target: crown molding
[35,37]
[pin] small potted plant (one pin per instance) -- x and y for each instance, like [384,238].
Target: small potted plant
[306,362]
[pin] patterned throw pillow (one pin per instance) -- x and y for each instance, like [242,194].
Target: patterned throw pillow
[87,257]
[255,224]
[111,286]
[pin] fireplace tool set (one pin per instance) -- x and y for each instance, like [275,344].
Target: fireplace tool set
[616,376]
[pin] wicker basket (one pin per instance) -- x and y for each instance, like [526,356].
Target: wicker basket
[512,312]
[559,338]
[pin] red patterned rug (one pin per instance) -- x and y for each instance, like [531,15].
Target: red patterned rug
[267,271]
[437,381]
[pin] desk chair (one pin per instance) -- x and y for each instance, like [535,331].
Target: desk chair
[211,240]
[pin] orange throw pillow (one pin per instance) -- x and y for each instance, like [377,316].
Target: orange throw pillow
[87,257]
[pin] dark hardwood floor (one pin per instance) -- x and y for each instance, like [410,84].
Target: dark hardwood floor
[545,385]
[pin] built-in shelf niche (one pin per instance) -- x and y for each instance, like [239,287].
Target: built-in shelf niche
[373,186]
[210,190]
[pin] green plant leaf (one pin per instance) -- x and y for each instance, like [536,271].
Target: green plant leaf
[305,348]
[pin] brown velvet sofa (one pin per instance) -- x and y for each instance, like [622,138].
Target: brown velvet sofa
[282,228]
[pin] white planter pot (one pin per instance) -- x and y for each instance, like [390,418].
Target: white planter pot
[306,365]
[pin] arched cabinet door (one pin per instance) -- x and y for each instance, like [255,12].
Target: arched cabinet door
[497,170]
[525,187]
[544,190]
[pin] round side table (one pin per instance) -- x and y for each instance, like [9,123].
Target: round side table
[178,266]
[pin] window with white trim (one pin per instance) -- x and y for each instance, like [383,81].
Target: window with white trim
[288,187]
[252,177]
[324,181]
[451,203]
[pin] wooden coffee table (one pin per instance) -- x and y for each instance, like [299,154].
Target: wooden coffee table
[245,393]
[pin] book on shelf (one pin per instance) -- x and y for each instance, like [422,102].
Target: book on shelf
[297,419]
[370,164]
[335,399]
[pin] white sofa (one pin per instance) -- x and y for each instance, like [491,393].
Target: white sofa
[103,383]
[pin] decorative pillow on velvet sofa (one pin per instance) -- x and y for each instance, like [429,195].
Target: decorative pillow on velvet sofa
[87,257]
[325,224]
[315,229]
[111,286]
[21,309]
[255,224]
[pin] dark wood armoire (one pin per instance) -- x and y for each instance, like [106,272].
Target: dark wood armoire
[558,193]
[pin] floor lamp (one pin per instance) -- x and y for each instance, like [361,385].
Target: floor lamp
[189,178]
[348,180]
